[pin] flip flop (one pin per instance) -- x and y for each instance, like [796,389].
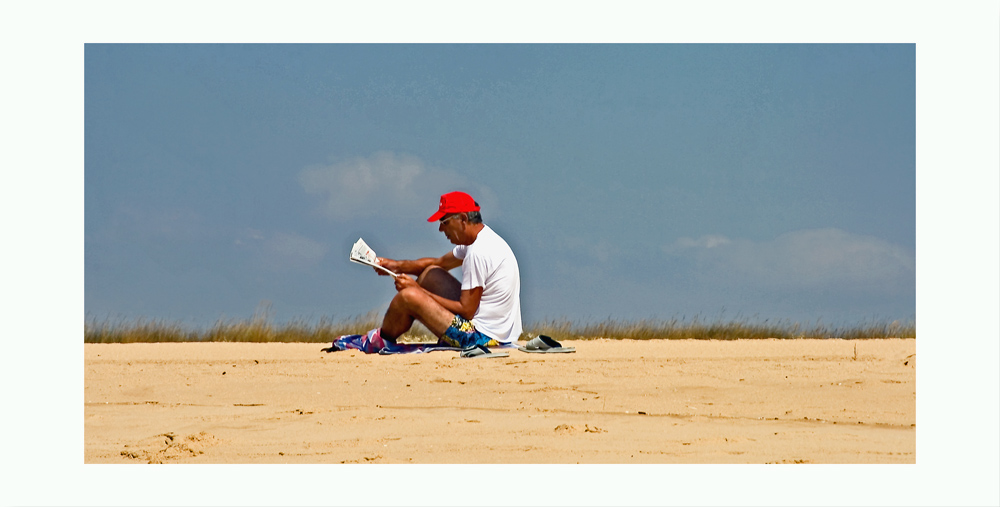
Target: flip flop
[545,345]
[480,351]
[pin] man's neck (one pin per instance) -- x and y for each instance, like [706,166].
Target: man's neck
[474,230]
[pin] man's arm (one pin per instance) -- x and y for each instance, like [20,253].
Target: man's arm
[466,306]
[468,302]
[447,261]
[469,299]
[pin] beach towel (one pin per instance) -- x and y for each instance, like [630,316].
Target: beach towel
[372,343]
[369,343]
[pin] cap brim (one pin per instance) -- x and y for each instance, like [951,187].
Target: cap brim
[437,216]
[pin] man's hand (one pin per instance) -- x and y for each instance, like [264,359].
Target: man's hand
[389,264]
[403,281]
[417,266]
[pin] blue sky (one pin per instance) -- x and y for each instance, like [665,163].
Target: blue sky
[189,177]
[650,181]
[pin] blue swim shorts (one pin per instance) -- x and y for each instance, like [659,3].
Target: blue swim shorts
[462,333]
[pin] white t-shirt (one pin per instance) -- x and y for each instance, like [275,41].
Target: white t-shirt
[489,263]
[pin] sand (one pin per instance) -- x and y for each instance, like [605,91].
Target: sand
[611,402]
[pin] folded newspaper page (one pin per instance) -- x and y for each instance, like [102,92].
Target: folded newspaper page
[363,254]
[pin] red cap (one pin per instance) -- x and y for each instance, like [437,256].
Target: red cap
[454,202]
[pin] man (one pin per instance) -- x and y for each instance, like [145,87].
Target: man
[483,309]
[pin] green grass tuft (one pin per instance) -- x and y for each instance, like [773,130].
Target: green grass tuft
[258,329]
[261,329]
[732,330]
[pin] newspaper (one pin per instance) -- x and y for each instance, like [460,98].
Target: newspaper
[363,254]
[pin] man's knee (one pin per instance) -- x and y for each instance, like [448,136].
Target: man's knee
[437,280]
[418,304]
[431,273]
[410,296]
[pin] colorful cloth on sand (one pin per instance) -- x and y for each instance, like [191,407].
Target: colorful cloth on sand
[463,333]
[372,343]
[369,343]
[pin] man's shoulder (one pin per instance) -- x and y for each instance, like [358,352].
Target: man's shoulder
[494,245]
[488,232]
[489,237]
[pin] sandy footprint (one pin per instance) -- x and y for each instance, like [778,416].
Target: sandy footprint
[566,429]
[169,446]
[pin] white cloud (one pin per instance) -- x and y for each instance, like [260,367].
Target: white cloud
[819,256]
[807,258]
[710,241]
[579,248]
[385,185]
[294,249]
[159,224]
[282,251]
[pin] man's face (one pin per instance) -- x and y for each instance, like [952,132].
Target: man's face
[453,227]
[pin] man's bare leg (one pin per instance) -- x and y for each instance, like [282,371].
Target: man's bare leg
[414,304]
[438,281]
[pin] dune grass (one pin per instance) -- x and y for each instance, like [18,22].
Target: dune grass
[256,330]
[719,330]
[261,329]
